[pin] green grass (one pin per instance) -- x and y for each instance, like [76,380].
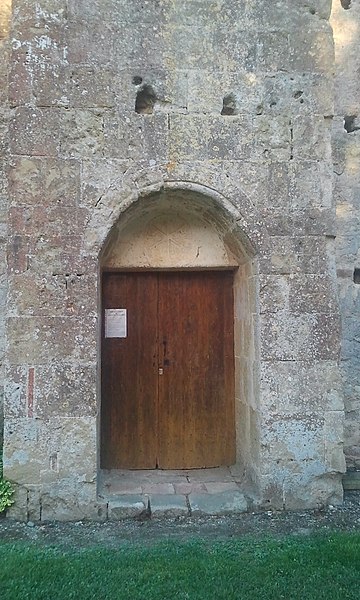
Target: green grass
[293,568]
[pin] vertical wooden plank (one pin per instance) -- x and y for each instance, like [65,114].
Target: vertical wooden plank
[196,391]
[130,374]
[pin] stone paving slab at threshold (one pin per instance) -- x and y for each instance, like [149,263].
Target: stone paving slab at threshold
[145,494]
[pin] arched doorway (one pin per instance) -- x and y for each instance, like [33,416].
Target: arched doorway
[175,295]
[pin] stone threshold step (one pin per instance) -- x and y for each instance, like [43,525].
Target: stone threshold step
[173,505]
[351,480]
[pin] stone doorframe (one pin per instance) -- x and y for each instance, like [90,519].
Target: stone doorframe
[124,205]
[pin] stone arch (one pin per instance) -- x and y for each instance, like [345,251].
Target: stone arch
[194,219]
[125,190]
[130,210]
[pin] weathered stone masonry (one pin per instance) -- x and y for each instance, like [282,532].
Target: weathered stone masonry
[223,109]
[346,158]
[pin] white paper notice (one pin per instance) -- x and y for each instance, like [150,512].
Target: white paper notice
[115,323]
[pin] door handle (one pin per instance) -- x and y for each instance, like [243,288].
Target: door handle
[161,371]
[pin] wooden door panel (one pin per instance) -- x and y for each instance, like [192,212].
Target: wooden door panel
[130,374]
[196,390]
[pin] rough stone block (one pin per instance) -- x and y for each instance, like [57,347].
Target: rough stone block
[50,85]
[230,138]
[274,293]
[43,340]
[192,47]
[158,488]
[312,51]
[97,177]
[124,135]
[277,186]
[127,506]
[207,90]
[82,133]
[44,181]
[34,503]
[58,254]
[310,185]
[298,93]
[293,443]
[233,49]
[19,510]
[334,437]
[15,392]
[170,87]
[65,501]
[304,254]
[22,462]
[228,502]
[202,12]
[51,13]
[52,294]
[188,137]
[84,36]
[317,493]
[18,253]
[35,131]
[351,480]
[34,221]
[301,387]
[168,505]
[5,19]
[91,88]
[66,390]
[20,78]
[311,138]
[68,448]
[312,293]
[93,12]
[314,221]
[290,14]
[278,221]
[286,336]
[273,137]
[156,131]
[273,51]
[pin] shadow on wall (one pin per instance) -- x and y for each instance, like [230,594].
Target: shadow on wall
[345,21]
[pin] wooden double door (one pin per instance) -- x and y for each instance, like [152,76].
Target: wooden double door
[167,370]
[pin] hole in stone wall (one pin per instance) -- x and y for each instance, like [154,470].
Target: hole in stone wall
[229,105]
[345,4]
[351,123]
[145,100]
[298,94]
[137,80]
[357,276]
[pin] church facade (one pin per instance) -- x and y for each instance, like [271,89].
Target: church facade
[181,265]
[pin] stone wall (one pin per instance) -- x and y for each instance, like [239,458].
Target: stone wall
[112,100]
[5,16]
[345,20]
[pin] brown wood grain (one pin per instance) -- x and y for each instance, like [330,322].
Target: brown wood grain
[196,392]
[180,323]
[130,374]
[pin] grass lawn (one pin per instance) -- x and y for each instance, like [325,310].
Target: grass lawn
[293,567]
